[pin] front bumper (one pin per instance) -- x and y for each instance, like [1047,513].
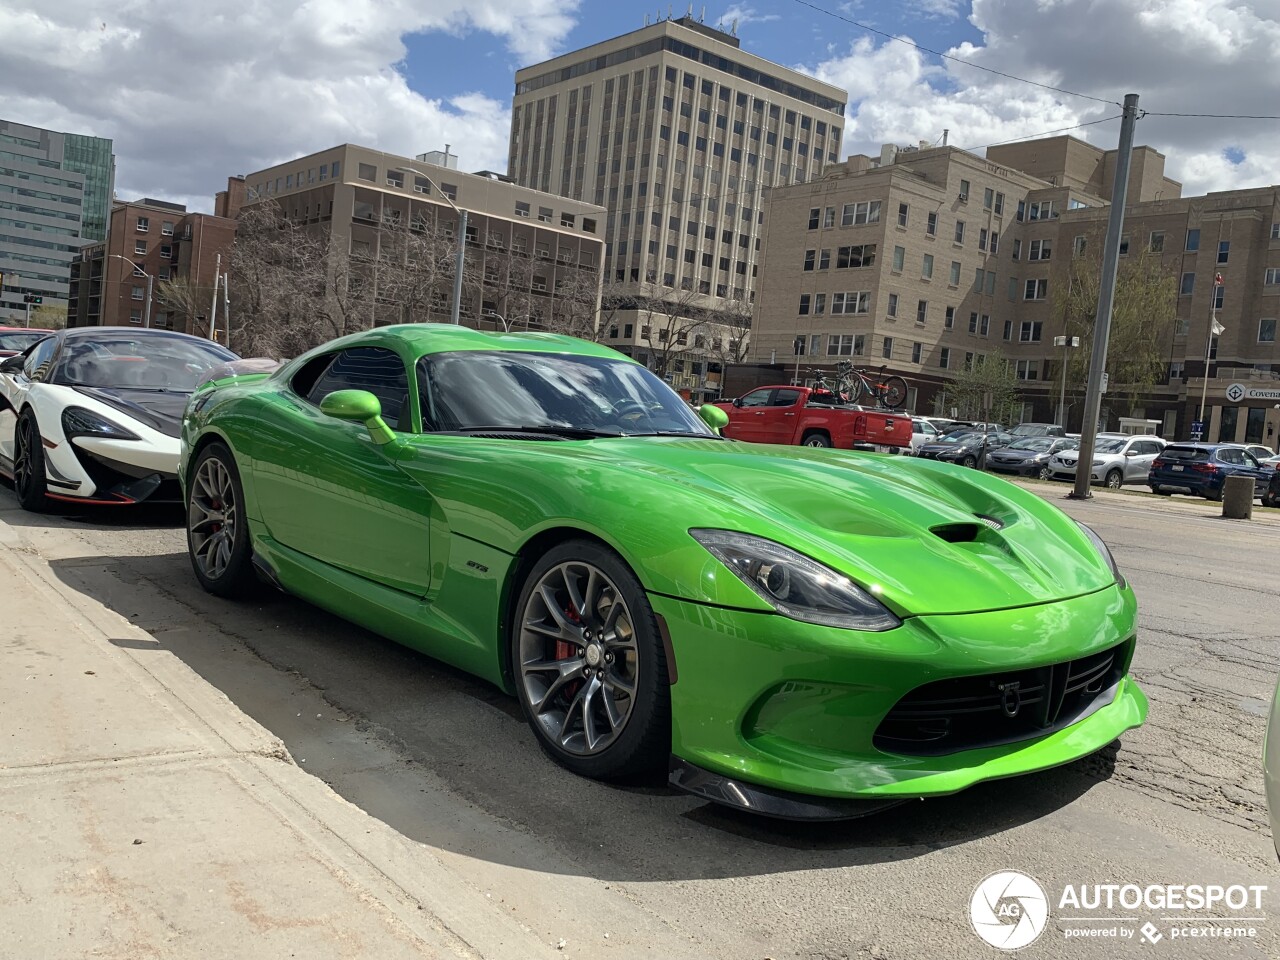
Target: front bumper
[794,707]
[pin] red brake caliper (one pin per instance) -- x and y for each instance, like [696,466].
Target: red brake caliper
[567,651]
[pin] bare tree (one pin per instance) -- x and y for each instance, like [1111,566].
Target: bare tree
[187,303]
[728,335]
[671,318]
[575,308]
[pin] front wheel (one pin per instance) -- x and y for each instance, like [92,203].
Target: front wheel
[1114,479]
[30,481]
[217,529]
[894,394]
[1044,473]
[969,461]
[590,669]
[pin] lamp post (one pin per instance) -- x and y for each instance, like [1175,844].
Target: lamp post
[1215,329]
[146,316]
[1067,343]
[455,317]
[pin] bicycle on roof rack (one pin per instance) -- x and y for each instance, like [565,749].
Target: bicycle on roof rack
[855,384]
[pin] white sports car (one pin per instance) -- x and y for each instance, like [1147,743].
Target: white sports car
[93,414]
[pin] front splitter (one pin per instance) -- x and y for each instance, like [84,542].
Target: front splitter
[767,801]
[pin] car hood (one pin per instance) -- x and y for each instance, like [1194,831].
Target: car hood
[921,535]
[159,410]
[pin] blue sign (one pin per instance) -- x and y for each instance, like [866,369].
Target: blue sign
[1197,426]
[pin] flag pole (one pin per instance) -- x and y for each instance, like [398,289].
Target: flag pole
[1208,347]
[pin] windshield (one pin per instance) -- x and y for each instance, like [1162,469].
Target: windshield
[17,341]
[956,436]
[468,390]
[161,363]
[1109,446]
[1036,444]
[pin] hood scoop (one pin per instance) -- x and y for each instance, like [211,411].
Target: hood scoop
[965,532]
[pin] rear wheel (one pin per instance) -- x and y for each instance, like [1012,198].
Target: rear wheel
[895,393]
[969,461]
[1161,492]
[1114,479]
[816,440]
[30,481]
[589,664]
[1214,495]
[217,529]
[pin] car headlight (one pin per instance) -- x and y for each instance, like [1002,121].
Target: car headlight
[796,586]
[79,422]
[1098,463]
[1103,549]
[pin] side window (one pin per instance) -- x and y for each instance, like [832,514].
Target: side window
[1249,460]
[1231,456]
[375,369]
[40,359]
[756,398]
[785,398]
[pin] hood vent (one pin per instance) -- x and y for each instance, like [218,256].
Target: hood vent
[965,532]
[992,522]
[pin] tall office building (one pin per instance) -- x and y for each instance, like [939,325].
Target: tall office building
[54,192]
[677,132]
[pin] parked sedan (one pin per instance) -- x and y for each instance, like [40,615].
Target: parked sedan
[1202,469]
[963,446]
[549,515]
[1028,456]
[16,339]
[1117,460]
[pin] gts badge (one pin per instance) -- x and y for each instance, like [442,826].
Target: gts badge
[477,566]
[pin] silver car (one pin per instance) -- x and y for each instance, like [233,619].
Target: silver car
[1117,460]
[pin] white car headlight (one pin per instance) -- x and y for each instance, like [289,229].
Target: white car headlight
[1103,549]
[796,586]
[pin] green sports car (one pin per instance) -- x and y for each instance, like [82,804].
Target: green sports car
[803,633]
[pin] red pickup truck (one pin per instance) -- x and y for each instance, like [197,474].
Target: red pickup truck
[814,418]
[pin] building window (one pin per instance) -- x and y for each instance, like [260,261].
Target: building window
[893,305]
[959,231]
[988,198]
[1008,330]
[1040,250]
[1224,251]
[588,226]
[1028,369]
[1157,242]
[1036,290]
[139,248]
[944,358]
[857,214]
[815,216]
[991,283]
[973,322]
[999,208]
[809,258]
[931,225]
[143,225]
[845,344]
[899,257]
[1193,239]
[1188,285]
[886,349]
[395,179]
[985,328]
[903,210]
[926,270]
[824,259]
[138,293]
[964,189]
[166,228]
[1042,210]
[922,311]
[1017,249]
[917,350]
[979,275]
[1272,276]
[368,172]
[1267,330]
[1219,295]
[1176,368]
[819,299]
[135,316]
[949,320]
[983,233]
[850,303]
[1030,331]
[804,305]
[829,217]
[955,273]
[1078,246]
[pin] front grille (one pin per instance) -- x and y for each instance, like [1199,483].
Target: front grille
[965,713]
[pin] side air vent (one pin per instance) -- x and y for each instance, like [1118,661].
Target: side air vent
[992,522]
[957,532]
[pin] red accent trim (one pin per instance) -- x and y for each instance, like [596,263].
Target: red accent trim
[121,500]
[49,443]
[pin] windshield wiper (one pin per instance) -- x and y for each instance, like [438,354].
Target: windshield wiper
[676,433]
[577,433]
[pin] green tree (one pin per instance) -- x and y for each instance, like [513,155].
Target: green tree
[1142,321]
[986,390]
[48,316]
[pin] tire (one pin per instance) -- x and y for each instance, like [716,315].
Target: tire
[1114,480]
[816,440]
[222,561]
[556,643]
[1270,501]
[1214,495]
[895,393]
[1044,473]
[30,481]
[969,461]
[1161,492]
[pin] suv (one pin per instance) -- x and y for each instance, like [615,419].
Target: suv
[1202,469]
[1117,460]
[1038,430]
[922,432]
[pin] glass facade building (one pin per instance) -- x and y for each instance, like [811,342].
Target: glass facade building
[92,157]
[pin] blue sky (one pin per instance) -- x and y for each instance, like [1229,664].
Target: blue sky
[233,87]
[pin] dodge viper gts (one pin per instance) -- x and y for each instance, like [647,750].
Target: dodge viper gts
[803,633]
[91,415]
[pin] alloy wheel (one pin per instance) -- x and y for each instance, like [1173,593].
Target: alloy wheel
[1114,480]
[211,518]
[579,661]
[22,456]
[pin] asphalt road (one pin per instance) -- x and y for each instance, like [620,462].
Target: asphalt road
[649,872]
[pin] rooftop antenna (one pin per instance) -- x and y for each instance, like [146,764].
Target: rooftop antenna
[690,13]
[945,131]
[703,18]
[668,11]
[646,19]
[735,26]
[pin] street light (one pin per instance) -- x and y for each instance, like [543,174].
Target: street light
[1215,329]
[1066,343]
[146,317]
[455,318]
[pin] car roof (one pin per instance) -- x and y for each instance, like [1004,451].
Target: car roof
[25,330]
[421,339]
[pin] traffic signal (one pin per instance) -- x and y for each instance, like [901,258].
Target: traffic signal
[32,298]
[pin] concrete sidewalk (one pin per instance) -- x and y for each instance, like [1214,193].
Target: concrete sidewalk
[142,814]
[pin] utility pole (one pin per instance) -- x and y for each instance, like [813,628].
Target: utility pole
[213,307]
[456,316]
[1066,343]
[1106,298]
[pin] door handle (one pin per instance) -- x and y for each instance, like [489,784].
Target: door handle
[788,414]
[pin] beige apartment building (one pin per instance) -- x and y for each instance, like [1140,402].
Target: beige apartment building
[678,133]
[522,245]
[927,258]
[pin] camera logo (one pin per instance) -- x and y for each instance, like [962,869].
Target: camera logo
[1009,910]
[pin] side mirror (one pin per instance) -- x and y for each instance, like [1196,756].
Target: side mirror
[358,406]
[737,402]
[714,417]
[12,364]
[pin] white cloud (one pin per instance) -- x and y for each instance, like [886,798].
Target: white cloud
[1179,56]
[744,15]
[191,93]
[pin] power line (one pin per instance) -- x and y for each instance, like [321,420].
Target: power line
[1045,133]
[1215,116]
[945,56]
